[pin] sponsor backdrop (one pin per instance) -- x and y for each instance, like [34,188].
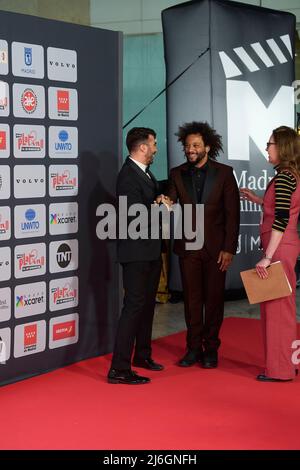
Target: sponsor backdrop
[59,147]
[242,86]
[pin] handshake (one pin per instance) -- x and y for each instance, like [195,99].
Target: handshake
[162,199]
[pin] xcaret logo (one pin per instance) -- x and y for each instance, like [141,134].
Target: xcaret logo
[63,218]
[30,299]
[57,218]
[24,301]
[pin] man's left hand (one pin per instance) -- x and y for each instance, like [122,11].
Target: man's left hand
[225,259]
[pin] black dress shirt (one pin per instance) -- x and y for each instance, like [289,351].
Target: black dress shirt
[198,178]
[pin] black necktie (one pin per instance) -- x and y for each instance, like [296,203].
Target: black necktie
[149,173]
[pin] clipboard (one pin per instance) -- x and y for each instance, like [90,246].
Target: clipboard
[275,286]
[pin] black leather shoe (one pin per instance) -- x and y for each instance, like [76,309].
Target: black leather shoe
[116,376]
[147,364]
[190,358]
[265,378]
[209,360]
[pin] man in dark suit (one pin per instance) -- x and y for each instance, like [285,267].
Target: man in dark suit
[140,258]
[202,180]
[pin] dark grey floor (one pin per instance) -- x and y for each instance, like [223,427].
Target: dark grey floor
[169,318]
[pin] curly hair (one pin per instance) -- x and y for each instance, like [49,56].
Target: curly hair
[288,145]
[208,134]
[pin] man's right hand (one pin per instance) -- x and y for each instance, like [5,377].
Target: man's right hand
[162,199]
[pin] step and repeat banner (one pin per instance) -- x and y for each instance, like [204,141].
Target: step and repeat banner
[59,144]
[242,86]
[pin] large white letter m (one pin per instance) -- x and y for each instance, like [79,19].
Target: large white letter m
[247,116]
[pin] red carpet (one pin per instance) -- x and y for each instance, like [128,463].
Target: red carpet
[226,408]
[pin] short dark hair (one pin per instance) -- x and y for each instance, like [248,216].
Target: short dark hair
[137,136]
[208,134]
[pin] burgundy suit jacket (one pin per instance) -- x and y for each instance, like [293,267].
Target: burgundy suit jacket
[221,201]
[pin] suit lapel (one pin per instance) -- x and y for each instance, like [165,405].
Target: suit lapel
[211,174]
[142,174]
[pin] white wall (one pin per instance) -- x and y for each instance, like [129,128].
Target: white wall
[143,16]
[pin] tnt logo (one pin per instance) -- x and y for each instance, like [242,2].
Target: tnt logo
[63,102]
[2,140]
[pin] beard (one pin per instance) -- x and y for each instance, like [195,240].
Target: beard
[199,157]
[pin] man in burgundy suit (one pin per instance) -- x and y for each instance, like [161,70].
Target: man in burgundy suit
[202,180]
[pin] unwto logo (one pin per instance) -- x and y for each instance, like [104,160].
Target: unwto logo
[30,221]
[63,142]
